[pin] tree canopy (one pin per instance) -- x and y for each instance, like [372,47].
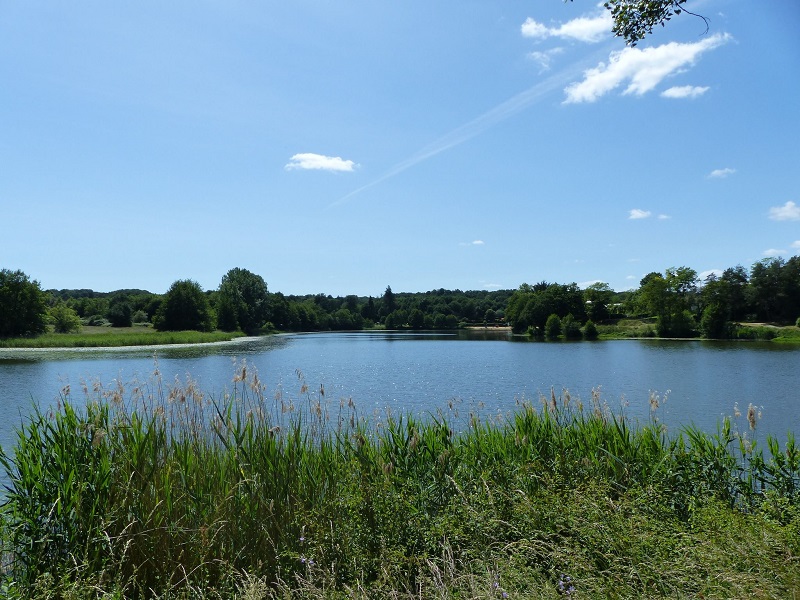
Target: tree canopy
[242,301]
[185,307]
[23,305]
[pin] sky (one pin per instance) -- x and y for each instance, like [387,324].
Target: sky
[342,147]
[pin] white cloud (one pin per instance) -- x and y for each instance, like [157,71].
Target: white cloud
[663,217]
[685,91]
[311,161]
[773,252]
[473,243]
[544,59]
[532,29]
[702,276]
[583,29]
[644,69]
[721,173]
[638,213]
[788,212]
[796,245]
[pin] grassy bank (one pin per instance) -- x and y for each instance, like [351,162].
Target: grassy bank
[107,337]
[161,491]
[646,328]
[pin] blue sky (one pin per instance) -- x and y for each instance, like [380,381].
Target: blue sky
[340,147]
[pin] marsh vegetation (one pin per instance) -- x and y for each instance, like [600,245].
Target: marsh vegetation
[159,490]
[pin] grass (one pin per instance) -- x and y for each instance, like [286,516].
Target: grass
[104,337]
[646,328]
[156,490]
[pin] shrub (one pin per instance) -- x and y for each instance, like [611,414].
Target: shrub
[552,328]
[570,328]
[64,319]
[590,330]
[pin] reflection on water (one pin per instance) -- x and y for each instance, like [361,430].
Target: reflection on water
[422,372]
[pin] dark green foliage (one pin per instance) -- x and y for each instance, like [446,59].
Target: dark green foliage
[531,306]
[23,305]
[185,307]
[120,311]
[242,301]
[570,328]
[590,330]
[64,319]
[714,324]
[552,328]
[598,296]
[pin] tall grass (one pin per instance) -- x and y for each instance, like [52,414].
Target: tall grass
[158,490]
[117,337]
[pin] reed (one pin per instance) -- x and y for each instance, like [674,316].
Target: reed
[155,489]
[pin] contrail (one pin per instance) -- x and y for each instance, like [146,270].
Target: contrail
[469,130]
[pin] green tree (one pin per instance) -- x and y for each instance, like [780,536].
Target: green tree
[23,305]
[185,307]
[570,328]
[590,330]
[242,301]
[389,302]
[552,327]
[64,319]
[120,311]
[714,323]
[597,297]
[669,298]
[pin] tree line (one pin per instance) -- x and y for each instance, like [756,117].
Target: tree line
[677,303]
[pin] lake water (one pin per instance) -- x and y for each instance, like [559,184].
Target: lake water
[421,372]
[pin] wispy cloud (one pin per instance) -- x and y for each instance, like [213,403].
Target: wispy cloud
[788,212]
[638,213]
[796,245]
[544,59]
[469,130]
[685,91]
[663,217]
[582,29]
[473,243]
[644,69]
[309,161]
[721,173]
[773,252]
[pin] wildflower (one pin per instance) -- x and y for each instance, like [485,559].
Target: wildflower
[565,585]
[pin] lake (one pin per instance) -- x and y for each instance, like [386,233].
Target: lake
[422,372]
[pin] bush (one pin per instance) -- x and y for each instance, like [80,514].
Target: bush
[590,330]
[64,319]
[96,321]
[552,328]
[570,328]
